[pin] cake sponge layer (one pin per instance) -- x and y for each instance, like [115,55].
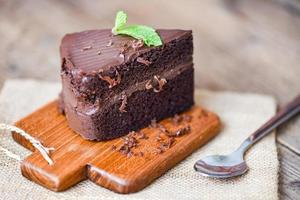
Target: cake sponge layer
[163,96]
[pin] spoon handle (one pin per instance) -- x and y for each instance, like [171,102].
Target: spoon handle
[284,114]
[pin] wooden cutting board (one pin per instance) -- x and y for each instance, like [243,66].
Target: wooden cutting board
[76,159]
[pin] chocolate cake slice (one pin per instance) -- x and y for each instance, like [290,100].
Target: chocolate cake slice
[116,84]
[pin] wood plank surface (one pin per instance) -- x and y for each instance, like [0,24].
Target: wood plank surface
[247,46]
[290,163]
[76,159]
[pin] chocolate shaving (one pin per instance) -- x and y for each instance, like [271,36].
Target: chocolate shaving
[123,104]
[180,132]
[141,135]
[168,144]
[86,48]
[129,142]
[177,119]
[164,145]
[159,126]
[161,82]
[122,56]
[143,61]
[124,149]
[110,81]
[110,43]
[159,150]
[124,48]
[136,44]
[186,118]
[131,134]
[113,147]
[162,128]
[148,85]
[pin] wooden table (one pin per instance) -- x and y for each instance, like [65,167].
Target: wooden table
[247,46]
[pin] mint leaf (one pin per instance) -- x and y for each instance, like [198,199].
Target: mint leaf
[145,33]
[121,19]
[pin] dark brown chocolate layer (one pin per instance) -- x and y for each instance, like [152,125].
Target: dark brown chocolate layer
[92,50]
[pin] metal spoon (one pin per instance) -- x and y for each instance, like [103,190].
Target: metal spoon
[226,166]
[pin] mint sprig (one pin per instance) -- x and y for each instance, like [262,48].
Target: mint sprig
[141,32]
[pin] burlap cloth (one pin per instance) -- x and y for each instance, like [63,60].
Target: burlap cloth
[240,113]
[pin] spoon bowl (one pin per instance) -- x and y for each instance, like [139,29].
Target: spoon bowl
[221,166]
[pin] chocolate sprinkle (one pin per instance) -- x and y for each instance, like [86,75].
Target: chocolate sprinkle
[110,81]
[143,61]
[158,82]
[99,52]
[124,48]
[187,118]
[164,138]
[122,56]
[129,142]
[177,119]
[161,82]
[123,104]
[162,128]
[113,147]
[124,149]
[159,150]
[148,85]
[141,135]
[136,44]
[168,144]
[159,126]
[182,131]
[110,43]
[86,48]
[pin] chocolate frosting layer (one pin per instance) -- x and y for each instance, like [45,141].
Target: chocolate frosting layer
[94,50]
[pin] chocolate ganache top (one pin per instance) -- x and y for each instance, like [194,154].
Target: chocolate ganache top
[97,50]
